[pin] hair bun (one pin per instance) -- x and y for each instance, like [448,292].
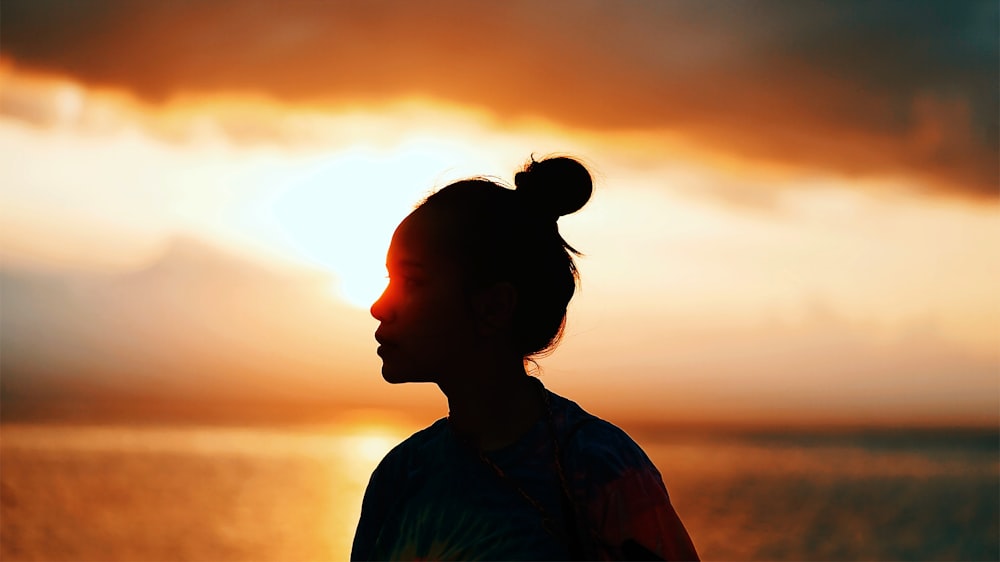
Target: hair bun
[555,186]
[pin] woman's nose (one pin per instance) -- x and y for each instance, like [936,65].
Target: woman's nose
[380,308]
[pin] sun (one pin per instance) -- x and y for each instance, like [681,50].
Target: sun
[339,208]
[339,212]
[361,289]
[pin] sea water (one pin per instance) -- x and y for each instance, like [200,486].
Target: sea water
[216,493]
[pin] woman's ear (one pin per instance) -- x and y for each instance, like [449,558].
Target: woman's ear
[494,308]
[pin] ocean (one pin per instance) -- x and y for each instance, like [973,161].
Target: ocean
[162,493]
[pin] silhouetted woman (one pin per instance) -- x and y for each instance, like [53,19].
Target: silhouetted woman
[479,281]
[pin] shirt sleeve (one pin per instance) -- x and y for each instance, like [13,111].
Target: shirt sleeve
[625,503]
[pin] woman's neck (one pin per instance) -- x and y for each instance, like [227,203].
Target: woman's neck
[495,410]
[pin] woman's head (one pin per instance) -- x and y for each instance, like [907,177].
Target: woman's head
[484,236]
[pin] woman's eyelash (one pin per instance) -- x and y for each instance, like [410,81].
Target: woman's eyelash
[404,279]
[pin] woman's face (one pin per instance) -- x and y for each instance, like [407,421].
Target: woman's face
[425,321]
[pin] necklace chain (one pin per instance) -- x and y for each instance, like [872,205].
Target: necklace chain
[547,521]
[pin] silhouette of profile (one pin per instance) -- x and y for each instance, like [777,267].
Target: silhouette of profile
[479,282]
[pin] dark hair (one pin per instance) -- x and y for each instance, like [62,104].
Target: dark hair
[499,234]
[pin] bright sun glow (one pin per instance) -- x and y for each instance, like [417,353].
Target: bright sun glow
[369,447]
[339,211]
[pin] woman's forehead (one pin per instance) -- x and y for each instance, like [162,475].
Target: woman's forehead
[418,239]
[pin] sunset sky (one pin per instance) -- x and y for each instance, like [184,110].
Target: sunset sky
[795,217]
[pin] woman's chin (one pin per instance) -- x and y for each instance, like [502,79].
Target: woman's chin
[394,376]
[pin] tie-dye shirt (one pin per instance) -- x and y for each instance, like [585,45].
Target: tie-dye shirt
[434,498]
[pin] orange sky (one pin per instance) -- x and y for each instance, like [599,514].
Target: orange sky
[196,200]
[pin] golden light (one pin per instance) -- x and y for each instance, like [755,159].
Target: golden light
[340,210]
[369,434]
[737,250]
[369,448]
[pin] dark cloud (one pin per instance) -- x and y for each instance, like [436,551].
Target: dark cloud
[861,87]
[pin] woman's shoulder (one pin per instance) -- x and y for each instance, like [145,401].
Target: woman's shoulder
[414,446]
[594,444]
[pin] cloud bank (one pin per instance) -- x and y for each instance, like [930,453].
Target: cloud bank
[856,87]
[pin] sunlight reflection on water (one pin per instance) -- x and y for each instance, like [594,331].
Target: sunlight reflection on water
[214,493]
[192,493]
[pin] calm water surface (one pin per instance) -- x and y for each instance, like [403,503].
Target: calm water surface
[209,493]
